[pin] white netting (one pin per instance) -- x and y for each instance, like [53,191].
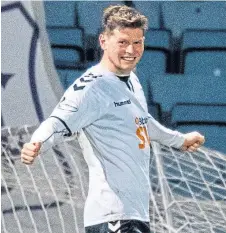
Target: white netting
[47,196]
[188,192]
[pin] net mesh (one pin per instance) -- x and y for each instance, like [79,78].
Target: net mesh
[188,190]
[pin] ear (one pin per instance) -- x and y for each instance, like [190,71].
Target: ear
[103,41]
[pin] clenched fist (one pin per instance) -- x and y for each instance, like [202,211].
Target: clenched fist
[30,152]
[192,141]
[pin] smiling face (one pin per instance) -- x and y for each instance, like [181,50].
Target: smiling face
[122,48]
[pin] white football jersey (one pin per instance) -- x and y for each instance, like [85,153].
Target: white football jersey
[115,132]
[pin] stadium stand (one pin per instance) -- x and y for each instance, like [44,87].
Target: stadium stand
[204,52]
[206,63]
[170,90]
[67,46]
[210,39]
[155,110]
[167,90]
[152,62]
[151,9]
[199,113]
[214,134]
[210,120]
[66,36]
[60,14]
[156,57]
[181,39]
[158,39]
[181,15]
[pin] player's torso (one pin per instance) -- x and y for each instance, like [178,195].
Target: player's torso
[116,148]
[123,127]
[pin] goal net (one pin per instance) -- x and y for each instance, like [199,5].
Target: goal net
[188,190]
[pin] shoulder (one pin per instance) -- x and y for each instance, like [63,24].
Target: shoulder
[87,84]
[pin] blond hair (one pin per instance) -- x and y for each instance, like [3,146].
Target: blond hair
[121,16]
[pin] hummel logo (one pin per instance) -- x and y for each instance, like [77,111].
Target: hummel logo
[117,104]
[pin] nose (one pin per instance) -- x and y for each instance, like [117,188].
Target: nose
[130,49]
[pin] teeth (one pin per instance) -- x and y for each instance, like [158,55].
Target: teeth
[128,58]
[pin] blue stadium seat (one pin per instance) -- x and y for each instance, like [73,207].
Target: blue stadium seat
[155,111]
[204,52]
[152,62]
[90,13]
[66,57]
[60,13]
[215,135]
[66,36]
[206,63]
[67,46]
[211,39]
[210,120]
[167,90]
[208,113]
[159,39]
[181,15]
[156,55]
[151,9]
[67,77]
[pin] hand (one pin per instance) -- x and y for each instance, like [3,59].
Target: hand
[192,141]
[30,152]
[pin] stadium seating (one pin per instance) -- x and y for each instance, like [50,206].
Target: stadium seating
[90,14]
[158,39]
[206,63]
[209,119]
[155,110]
[210,39]
[167,90]
[67,46]
[151,9]
[66,57]
[204,52]
[181,15]
[199,113]
[156,57]
[214,134]
[152,62]
[66,36]
[67,76]
[60,13]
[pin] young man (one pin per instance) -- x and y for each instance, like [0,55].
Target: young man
[108,109]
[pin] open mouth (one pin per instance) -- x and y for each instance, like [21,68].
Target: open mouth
[128,58]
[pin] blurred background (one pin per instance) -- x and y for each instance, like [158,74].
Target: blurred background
[183,69]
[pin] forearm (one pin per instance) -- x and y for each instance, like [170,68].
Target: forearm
[163,135]
[50,132]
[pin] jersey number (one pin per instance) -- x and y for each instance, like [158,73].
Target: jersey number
[142,134]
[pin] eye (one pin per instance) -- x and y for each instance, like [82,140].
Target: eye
[122,42]
[138,42]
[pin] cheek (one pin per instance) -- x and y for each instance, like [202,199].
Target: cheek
[140,51]
[114,52]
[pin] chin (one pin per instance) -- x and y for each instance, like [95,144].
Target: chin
[128,69]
